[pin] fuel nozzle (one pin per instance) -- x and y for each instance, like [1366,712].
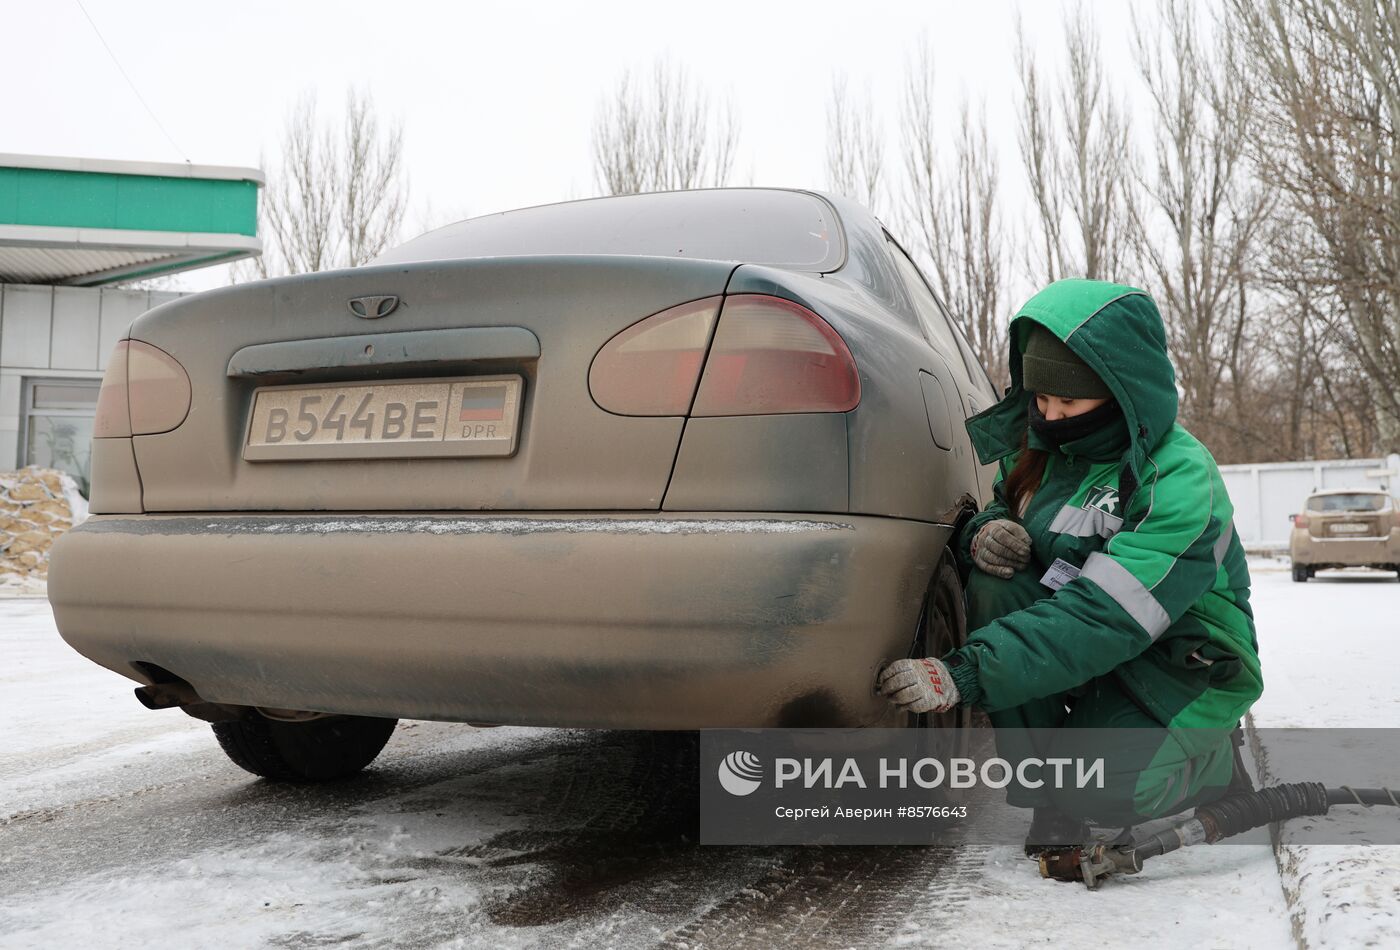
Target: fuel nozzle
[1091,863]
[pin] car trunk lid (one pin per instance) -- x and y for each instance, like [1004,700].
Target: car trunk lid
[494,337]
[1344,524]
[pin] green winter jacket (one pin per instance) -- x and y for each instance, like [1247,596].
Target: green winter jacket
[1162,600]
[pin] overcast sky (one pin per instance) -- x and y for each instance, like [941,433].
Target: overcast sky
[497,99]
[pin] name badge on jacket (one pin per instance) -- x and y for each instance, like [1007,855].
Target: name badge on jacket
[1059,574]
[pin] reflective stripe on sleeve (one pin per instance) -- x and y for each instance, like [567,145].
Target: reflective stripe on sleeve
[1223,545]
[1128,592]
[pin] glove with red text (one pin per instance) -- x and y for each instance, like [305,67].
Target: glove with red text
[919,686]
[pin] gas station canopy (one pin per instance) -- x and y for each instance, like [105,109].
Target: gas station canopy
[88,222]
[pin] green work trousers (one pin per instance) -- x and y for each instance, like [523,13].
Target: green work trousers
[1149,770]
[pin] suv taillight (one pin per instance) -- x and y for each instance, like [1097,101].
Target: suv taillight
[1300,521]
[145,391]
[771,355]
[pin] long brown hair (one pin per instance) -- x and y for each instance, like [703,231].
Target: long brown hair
[1024,478]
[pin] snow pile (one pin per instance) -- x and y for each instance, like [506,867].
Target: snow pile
[36,506]
[1342,895]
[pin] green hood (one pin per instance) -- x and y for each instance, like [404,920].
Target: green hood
[1116,330]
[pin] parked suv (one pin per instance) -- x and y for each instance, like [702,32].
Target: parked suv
[1346,528]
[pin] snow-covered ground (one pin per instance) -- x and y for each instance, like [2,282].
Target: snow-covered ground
[123,827]
[1330,647]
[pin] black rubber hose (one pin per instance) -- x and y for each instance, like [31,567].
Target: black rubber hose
[1237,813]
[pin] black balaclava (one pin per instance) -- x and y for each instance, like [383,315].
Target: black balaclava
[1074,427]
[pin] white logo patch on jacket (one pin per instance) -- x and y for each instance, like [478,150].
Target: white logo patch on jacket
[1103,498]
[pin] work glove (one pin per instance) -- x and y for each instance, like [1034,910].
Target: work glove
[1001,548]
[919,686]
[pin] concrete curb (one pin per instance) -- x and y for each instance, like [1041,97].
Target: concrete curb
[1337,895]
[1259,756]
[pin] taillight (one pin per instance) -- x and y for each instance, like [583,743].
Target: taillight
[145,391]
[113,418]
[651,368]
[1300,521]
[772,355]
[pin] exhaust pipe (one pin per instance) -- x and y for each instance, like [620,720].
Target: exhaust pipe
[167,695]
[179,694]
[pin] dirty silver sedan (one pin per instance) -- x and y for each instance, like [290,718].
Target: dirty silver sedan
[662,461]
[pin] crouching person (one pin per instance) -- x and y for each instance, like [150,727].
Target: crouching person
[1106,588]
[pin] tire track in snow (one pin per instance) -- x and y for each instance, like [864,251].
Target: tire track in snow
[833,897]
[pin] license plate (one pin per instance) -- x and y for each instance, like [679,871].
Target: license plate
[419,418]
[1350,528]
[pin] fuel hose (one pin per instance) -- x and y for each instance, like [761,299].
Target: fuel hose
[1210,823]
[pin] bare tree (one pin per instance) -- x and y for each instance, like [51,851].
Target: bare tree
[1328,74]
[335,197]
[854,147]
[951,208]
[1198,229]
[662,136]
[1319,394]
[373,200]
[299,201]
[1075,148]
[972,267]
[1042,160]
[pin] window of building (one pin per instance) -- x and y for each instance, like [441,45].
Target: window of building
[56,425]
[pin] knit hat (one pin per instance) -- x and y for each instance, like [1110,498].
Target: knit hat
[1050,367]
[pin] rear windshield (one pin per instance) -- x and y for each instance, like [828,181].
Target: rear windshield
[1360,501]
[751,225]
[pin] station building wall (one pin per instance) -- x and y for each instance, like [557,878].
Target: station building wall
[54,347]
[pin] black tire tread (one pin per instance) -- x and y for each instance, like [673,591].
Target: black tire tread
[249,744]
[343,745]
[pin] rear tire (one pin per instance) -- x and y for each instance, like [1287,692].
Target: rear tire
[318,750]
[943,628]
[1301,573]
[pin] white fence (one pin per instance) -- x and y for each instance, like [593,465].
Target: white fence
[1266,495]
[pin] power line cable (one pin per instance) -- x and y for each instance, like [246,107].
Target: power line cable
[140,98]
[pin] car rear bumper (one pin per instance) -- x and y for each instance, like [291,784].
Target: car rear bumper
[631,621]
[1344,552]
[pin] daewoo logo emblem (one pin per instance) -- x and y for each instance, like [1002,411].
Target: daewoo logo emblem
[372,308]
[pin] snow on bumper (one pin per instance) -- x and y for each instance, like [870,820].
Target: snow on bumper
[678,621]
